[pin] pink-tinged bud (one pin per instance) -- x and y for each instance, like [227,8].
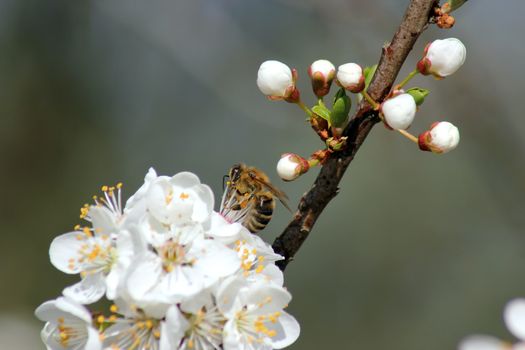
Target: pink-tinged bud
[442,57]
[322,73]
[399,111]
[277,81]
[442,137]
[350,76]
[291,166]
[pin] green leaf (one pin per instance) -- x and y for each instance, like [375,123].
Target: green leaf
[341,108]
[455,4]
[369,73]
[322,111]
[418,94]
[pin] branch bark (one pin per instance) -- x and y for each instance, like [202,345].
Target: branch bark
[325,187]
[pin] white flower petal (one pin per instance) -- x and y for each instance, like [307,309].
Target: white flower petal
[274,78]
[481,342]
[287,331]
[185,179]
[144,275]
[224,231]
[173,329]
[87,291]
[93,341]
[103,220]
[227,293]
[216,260]
[63,249]
[52,310]
[267,296]
[514,316]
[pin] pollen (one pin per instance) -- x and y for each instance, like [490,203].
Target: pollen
[113,308]
[184,196]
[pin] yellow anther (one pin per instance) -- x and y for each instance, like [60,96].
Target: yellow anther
[271,333]
[260,258]
[190,343]
[112,318]
[100,319]
[259,269]
[119,185]
[156,334]
[113,308]
[184,196]
[149,324]
[76,228]
[104,188]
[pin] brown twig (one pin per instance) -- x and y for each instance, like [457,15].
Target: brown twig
[325,187]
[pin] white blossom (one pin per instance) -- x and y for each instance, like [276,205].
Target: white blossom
[291,166]
[443,57]
[275,79]
[442,137]
[399,111]
[351,77]
[68,326]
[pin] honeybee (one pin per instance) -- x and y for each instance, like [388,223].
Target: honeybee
[249,197]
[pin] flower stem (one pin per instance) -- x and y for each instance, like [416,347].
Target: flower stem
[370,100]
[313,162]
[407,79]
[304,108]
[408,135]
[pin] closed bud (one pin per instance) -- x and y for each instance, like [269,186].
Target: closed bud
[277,81]
[442,57]
[350,76]
[442,137]
[291,166]
[399,111]
[322,73]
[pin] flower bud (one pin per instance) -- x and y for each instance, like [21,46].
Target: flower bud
[441,138]
[350,76]
[399,111]
[322,72]
[442,57]
[291,166]
[277,81]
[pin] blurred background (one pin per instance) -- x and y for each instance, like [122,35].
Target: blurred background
[415,252]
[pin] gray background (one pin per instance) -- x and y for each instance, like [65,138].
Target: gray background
[417,251]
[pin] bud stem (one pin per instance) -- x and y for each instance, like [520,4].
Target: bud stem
[370,100]
[304,108]
[313,162]
[407,79]
[408,135]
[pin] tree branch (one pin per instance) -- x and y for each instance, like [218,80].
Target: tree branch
[325,187]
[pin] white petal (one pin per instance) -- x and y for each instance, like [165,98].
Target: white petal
[204,206]
[52,310]
[514,316]
[223,231]
[102,220]
[227,295]
[93,341]
[481,342]
[185,179]
[232,339]
[87,291]
[64,248]
[173,329]
[287,331]
[268,296]
[144,275]
[215,259]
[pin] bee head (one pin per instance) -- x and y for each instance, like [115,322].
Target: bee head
[235,173]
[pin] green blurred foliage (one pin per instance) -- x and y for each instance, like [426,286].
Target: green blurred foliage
[416,251]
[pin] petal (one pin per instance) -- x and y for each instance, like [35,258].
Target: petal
[93,340]
[268,297]
[215,259]
[287,331]
[185,179]
[514,316]
[87,291]
[223,231]
[173,329]
[481,342]
[102,220]
[204,206]
[52,310]
[227,295]
[144,275]
[64,249]
[232,339]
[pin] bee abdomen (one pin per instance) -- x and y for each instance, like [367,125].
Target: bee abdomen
[261,215]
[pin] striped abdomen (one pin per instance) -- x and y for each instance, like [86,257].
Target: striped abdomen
[261,213]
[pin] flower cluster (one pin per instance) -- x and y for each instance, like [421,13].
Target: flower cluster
[514,317]
[397,111]
[179,275]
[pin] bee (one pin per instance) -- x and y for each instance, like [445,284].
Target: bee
[249,197]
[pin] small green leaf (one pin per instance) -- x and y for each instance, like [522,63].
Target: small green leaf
[322,111]
[369,73]
[418,94]
[340,109]
[455,4]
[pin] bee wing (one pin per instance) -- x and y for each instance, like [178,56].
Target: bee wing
[283,198]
